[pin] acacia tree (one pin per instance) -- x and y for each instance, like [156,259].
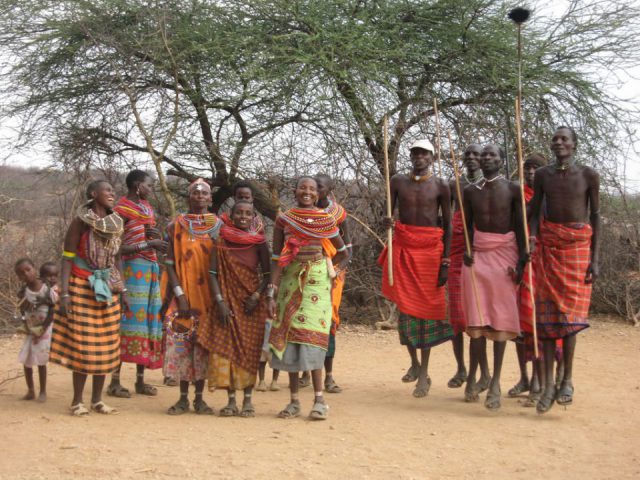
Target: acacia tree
[204,86]
[134,76]
[393,58]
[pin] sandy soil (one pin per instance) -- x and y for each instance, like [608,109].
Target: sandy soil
[376,428]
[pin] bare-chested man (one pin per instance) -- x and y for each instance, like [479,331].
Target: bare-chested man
[566,263]
[473,176]
[490,277]
[420,261]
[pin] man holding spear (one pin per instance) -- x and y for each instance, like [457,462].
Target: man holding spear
[472,176]
[419,260]
[566,263]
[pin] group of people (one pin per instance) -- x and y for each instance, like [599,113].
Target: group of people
[481,252]
[219,309]
[224,303]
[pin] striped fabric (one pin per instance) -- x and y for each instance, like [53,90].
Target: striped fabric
[562,296]
[416,261]
[87,340]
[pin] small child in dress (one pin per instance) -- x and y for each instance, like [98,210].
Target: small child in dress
[37,298]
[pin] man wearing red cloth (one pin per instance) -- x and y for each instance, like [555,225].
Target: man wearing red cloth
[420,261]
[566,263]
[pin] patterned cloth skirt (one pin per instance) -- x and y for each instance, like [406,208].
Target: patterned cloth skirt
[141,327]
[87,340]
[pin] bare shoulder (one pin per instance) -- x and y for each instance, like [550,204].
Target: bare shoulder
[469,190]
[589,173]
[399,178]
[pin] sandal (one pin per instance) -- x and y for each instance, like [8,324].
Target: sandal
[332,387]
[422,390]
[320,411]
[304,381]
[79,410]
[103,408]
[532,399]
[471,394]
[290,411]
[170,382]
[201,407]
[274,387]
[179,408]
[146,389]
[229,411]
[262,387]
[492,402]
[118,391]
[546,402]
[483,386]
[518,388]
[411,375]
[457,380]
[565,395]
[248,411]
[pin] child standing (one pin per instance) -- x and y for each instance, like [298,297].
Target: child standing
[36,302]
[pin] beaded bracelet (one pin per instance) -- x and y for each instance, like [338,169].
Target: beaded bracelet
[275,257]
[67,254]
[342,248]
[213,272]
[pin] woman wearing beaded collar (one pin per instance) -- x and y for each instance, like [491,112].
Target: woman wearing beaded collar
[141,326]
[191,239]
[86,331]
[299,294]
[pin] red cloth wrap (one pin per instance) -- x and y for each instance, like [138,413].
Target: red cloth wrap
[454,284]
[564,254]
[230,233]
[525,306]
[417,254]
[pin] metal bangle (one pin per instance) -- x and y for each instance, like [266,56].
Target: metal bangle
[177,291]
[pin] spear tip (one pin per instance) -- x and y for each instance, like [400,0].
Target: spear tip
[519,15]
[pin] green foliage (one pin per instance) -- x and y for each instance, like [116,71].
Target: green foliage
[248,73]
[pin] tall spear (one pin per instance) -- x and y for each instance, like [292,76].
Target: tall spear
[520,15]
[438,145]
[389,212]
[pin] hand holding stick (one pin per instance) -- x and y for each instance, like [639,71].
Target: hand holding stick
[467,242]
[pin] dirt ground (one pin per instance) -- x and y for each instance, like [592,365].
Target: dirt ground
[376,428]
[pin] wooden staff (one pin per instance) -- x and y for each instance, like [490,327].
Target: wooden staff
[519,16]
[437,115]
[526,226]
[467,242]
[389,212]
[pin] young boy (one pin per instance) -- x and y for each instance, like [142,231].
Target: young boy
[36,305]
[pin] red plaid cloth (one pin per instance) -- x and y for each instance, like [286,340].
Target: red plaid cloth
[562,296]
[525,305]
[454,284]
